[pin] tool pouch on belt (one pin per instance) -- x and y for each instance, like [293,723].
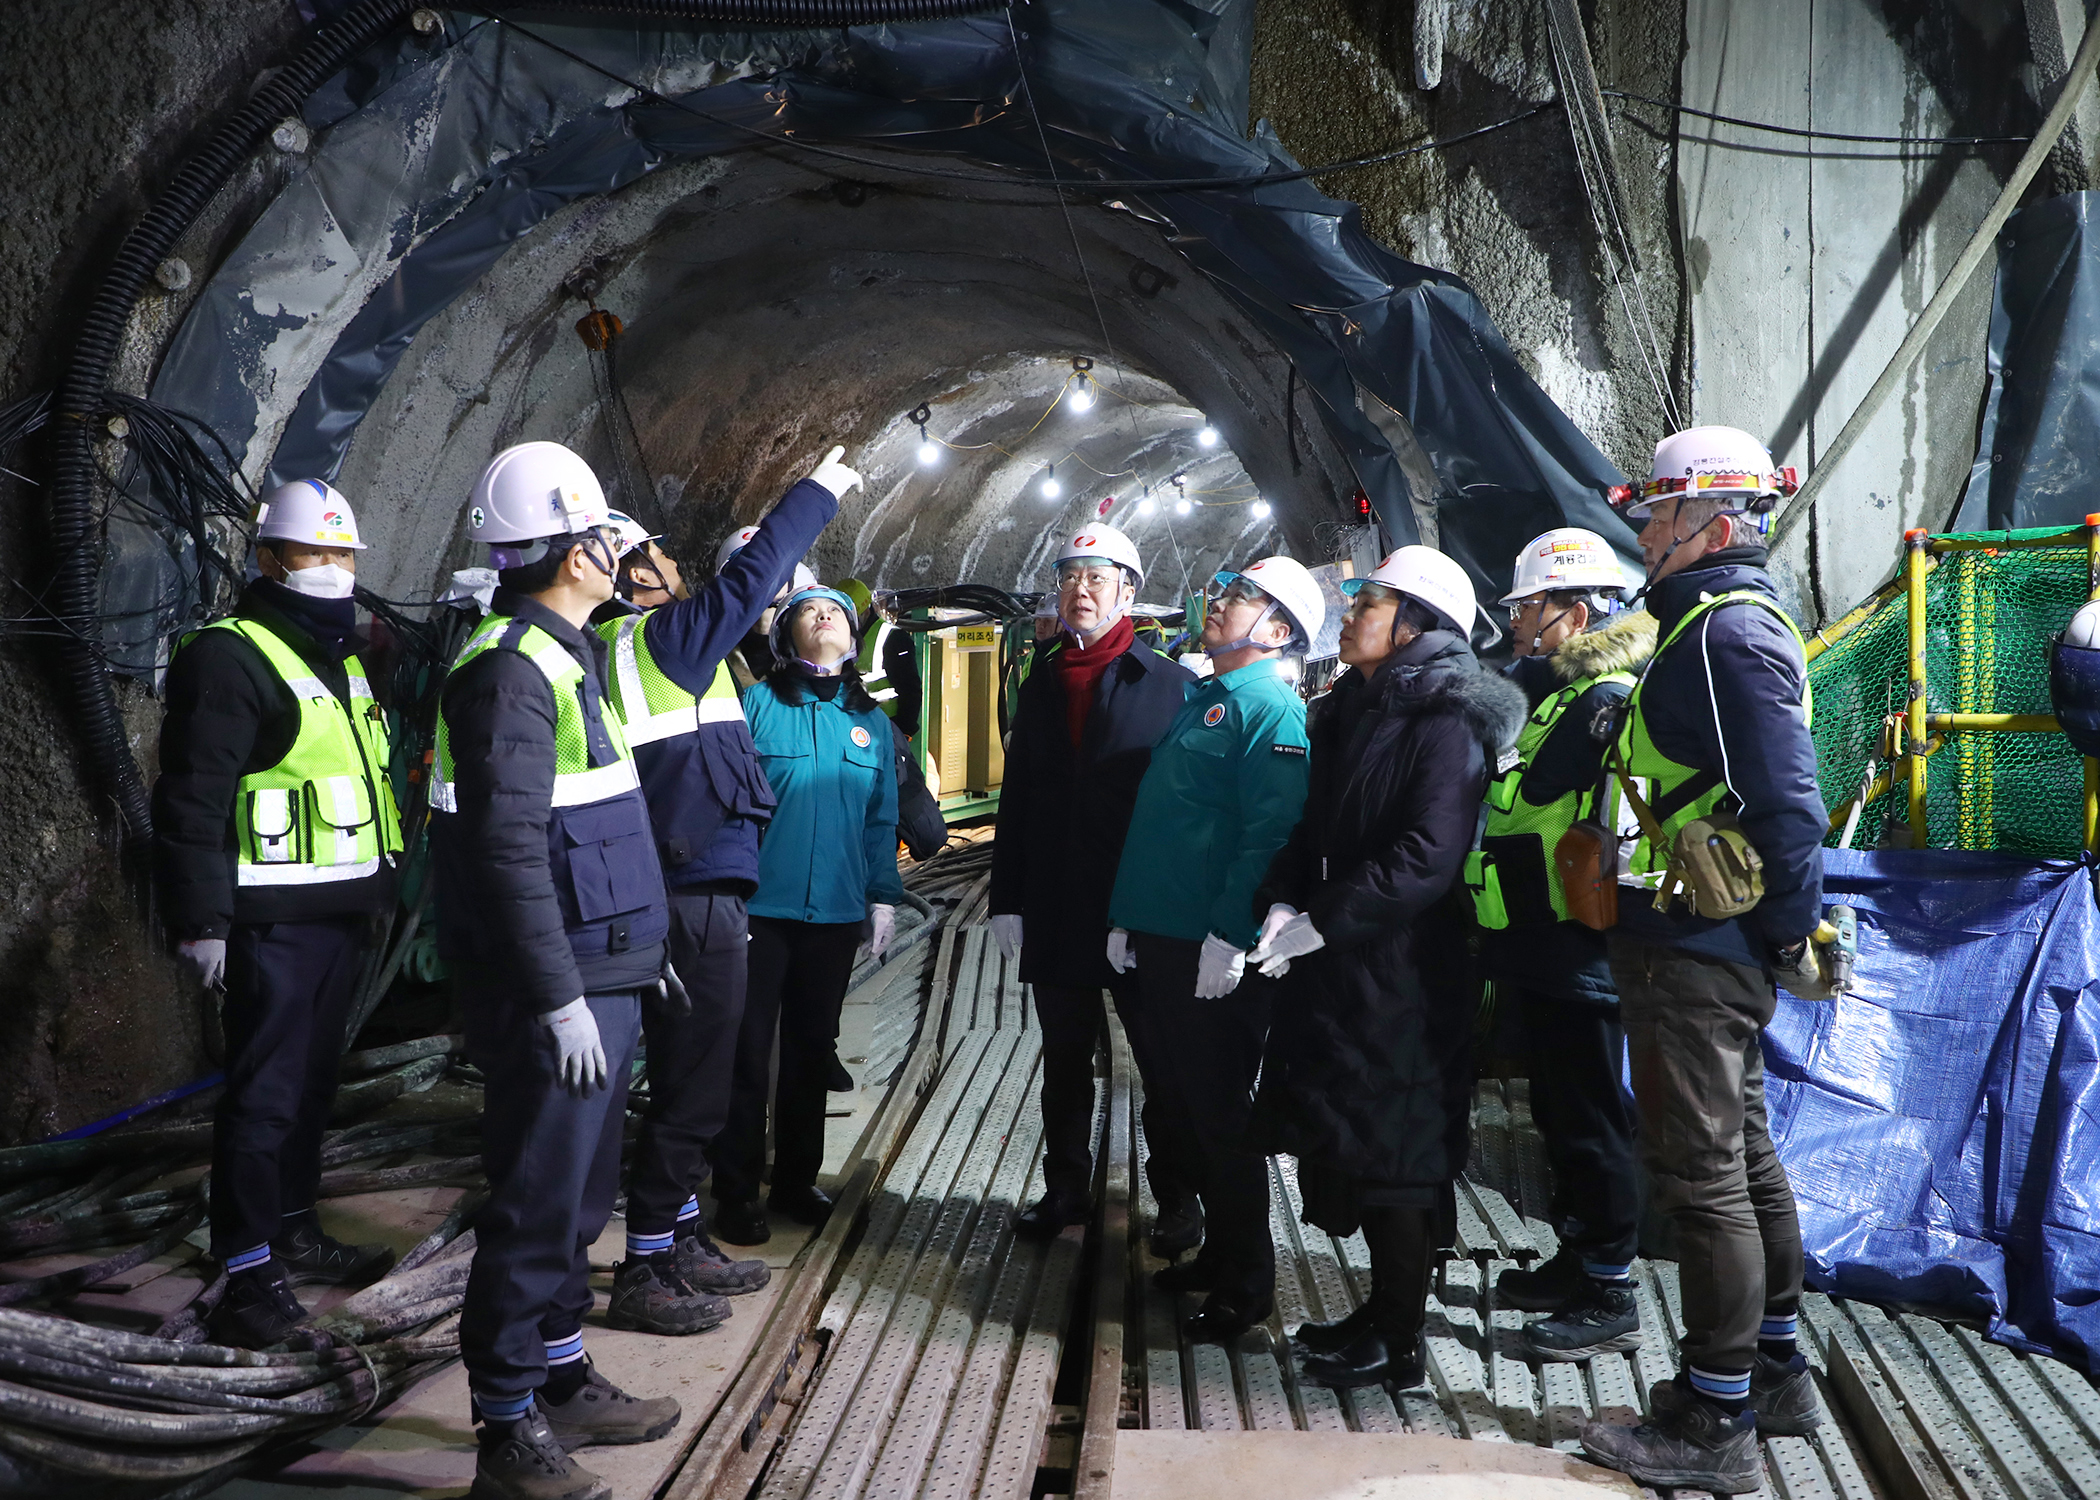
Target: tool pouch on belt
[1587,861]
[1712,862]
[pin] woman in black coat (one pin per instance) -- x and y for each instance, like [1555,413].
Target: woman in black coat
[1368,1074]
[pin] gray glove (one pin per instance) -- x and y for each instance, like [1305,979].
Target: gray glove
[671,991]
[204,960]
[582,1053]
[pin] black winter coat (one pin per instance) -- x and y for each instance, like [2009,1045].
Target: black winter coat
[1369,1067]
[1063,814]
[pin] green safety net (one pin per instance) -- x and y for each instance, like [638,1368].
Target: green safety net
[1989,616]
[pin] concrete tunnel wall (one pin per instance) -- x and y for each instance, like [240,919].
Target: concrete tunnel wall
[1778,284]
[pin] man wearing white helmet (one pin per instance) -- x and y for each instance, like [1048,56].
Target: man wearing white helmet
[275,840]
[709,802]
[1368,1077]
[1089,714]
[1222,792]
[1717,733]
[1577,653]
[552,917]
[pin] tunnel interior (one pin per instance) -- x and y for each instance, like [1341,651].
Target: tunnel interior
[770,309]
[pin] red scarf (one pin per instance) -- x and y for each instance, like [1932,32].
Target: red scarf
[1078,671]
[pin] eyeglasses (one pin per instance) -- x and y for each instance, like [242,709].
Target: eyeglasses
[1367,595]
[1239,591]
[1093,580]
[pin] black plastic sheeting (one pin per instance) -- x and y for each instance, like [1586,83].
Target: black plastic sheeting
[1126,89]
[1942,1125]
[2038,451]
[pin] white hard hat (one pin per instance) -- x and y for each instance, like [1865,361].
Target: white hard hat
[531,493]
[1428,576]
[1296,592]
[1565,558]
[804,578]
[308,510]
[632,532]
[1712,461]
[734,543]
[1107,543]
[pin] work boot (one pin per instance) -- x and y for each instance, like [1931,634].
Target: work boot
[601,1415]
[1176,1229]
[1546,1287]
[1369,1359]
[649,1296]
[1049,1215]
[1325,1338]
[1782,1395]
[1224,1316]
[1696,1447]
[838,1080]
[523,1460]
[805,1205]
[1602,1318]
[257,1309]
[703,1267]
[743,1223]
[311,1258]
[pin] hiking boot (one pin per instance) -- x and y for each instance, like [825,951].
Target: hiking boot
[311,1258]
[1782,1394]
[1368,1359]
[649,1296]
[703,1267]
[523,1460]
[257,1310]
[1176,1229]
[1602,1318]
[601,1415]
[743,1223]
[1325,1338]
[1696,1447]
[1543,1288]
[1051,1214]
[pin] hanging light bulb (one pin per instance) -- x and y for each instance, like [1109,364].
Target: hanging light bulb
[1261,510]
[1082,396]
[929,450]
[1208,437]
[1183,506]
[1051,489]
[1147,506]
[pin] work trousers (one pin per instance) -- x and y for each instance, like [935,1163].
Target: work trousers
[1576,1049]
[692,1059]
[288,991]
[553,1165]
[1404,1245]
[1692,1024]
[1073,1020]
[797,984]
[1207,1056]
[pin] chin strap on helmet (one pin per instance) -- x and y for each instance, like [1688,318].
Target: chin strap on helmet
[1248,639]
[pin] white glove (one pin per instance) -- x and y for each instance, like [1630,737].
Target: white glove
[882,927]
[1219,967]
[1006,932]
[835,476]
[670,989]
[1121,956]
[582,1063]
[1278,915]
[1293,938]
[204,960]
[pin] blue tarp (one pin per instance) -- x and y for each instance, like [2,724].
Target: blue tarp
[1942,1125]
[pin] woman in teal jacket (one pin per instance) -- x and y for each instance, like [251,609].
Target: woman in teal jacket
[826,869]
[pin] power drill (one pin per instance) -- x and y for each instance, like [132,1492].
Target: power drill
[1837,938]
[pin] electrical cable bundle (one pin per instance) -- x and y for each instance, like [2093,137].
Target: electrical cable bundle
[986,602]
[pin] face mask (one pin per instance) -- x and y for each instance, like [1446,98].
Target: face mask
[328,581]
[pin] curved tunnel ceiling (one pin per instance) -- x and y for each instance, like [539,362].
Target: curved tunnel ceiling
[771,312]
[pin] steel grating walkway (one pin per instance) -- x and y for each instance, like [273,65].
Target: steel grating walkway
[934,1345]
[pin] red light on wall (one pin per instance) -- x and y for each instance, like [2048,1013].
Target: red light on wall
[1363,504]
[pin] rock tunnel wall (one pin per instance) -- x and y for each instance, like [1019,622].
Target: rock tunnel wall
[1776,281]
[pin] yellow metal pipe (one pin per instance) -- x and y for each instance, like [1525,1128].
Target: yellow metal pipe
[1831,634]
[2092,766]
[1914,555]
[2070,537]
[1998,723]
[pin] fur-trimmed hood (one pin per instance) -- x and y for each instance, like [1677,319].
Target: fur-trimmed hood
[1621,644]
[1451,680]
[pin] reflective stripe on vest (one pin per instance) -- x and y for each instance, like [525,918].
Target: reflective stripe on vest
[1679,793]
[1523,834]
[325,812]
[577,783]
[651,706]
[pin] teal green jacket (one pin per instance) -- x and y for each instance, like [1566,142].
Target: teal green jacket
[1221,795]
[831,849]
